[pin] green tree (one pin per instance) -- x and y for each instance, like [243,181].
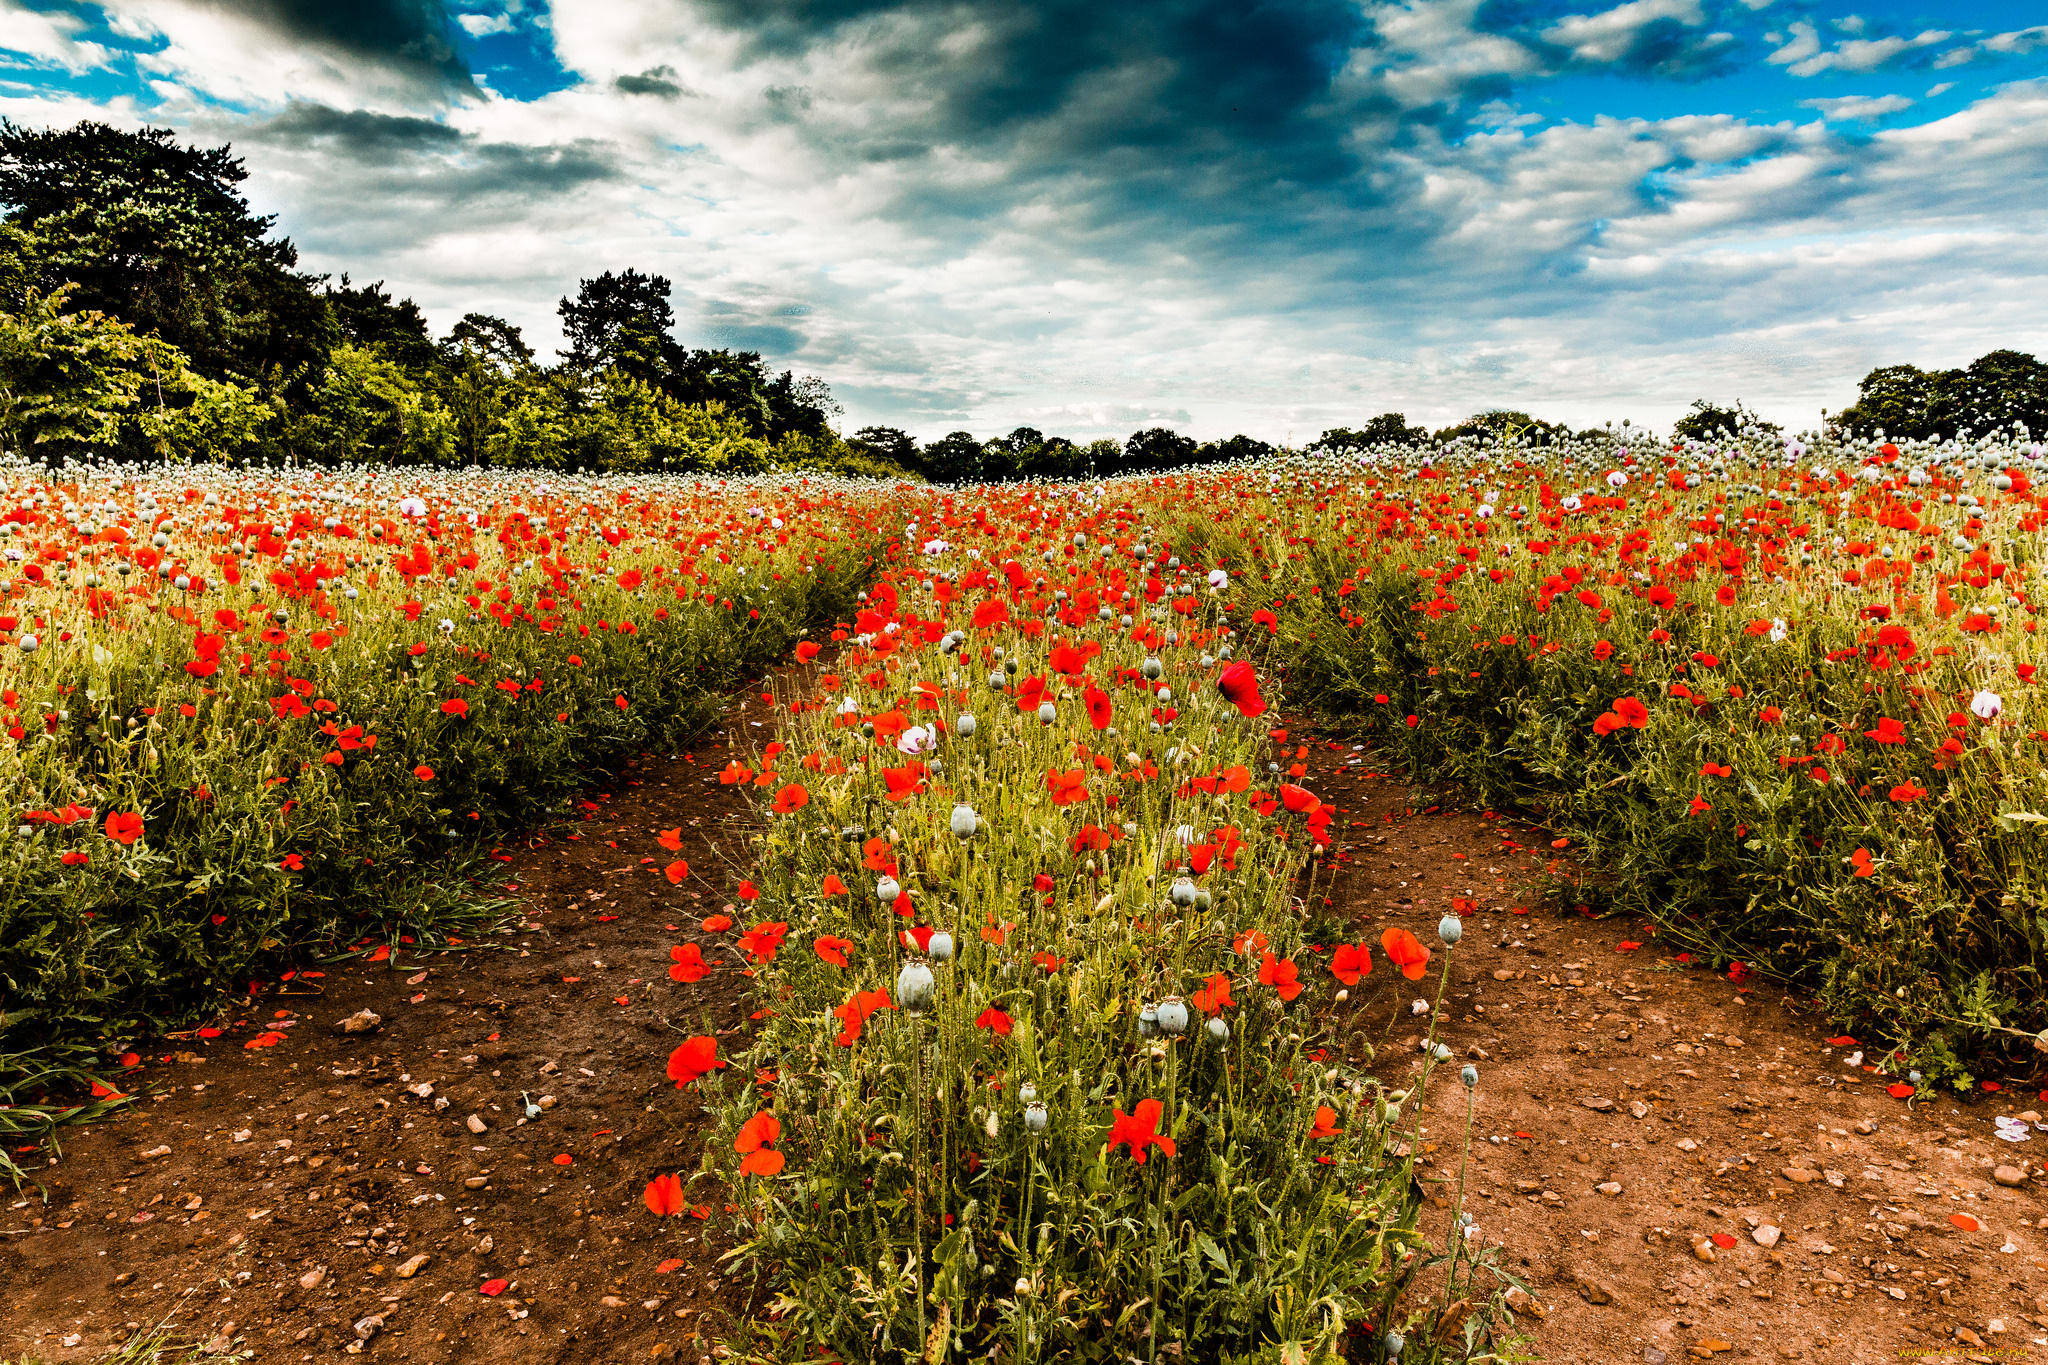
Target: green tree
[1705,421]
[1389,428]
[367,316]
[157,234]
[68,380]
[888,443]
[953,458]
[1503,425]
[1906,402]
[1155,449]
[1238,447]
[367,407]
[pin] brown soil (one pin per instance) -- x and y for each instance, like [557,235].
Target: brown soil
[1703,1108]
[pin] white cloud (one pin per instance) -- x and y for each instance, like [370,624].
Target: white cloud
[1608,36]
[483,25]
[1861,54]
[1803,43]
[1849,107]
[35,38]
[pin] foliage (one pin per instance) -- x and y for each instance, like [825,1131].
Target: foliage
[1705,421]
[313,699]
[1222,1186]
[1503,426]
[1993,393]
[68,379]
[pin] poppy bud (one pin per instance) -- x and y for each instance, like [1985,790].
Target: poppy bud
[1035,1117]
[964,822]
[1203,899]
[1047,713]
[964,726]
[886,890]
[1470,1076]
[1183,892]
[1027,1092]
[1450,929]
[1173,1016]
[1393,1341]
[1148,1022]
[1440,1052]
[940,948]
[1218,1030]
[1151,670]
[914,988]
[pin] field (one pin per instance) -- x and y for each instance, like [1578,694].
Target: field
[1050,1054]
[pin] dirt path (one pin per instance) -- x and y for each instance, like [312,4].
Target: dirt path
[1628,1111]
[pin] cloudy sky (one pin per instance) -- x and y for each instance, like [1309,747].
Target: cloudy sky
[1269,216]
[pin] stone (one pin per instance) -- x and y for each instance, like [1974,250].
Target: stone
[1687,1145]
[362,1021]
[476,1124]
[1968,1338]
[1765,1236]
[220,1345]
[1610,1188]
[369,1327]
[2012,1177]
[1528,1186]
[155,1152]
[1594,1292]
[1704,1249]
[412,1266]
[1866,1126]
[612,1301]
[1597,1103]
[476,1182]
[1639,1109]
[486,1244]
[313,1278]
[1800,1175]
[1995,1327]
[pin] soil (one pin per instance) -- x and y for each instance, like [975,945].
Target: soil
[1637,1126]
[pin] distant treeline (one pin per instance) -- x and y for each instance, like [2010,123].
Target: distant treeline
[146,311]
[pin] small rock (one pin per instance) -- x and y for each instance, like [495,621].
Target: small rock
[1704,1249]
[123,1278]
[1995,1327]
[1639,1109]
[1528,1186]
[612,1301]
[2012,1177]
[1610,1188]
[1592,1291]
[1765,1236]
[412,1266]
[485,1244]
[1968,1338]
[1866,1126]
[546,1102]
[240,1135]
[155,1152]
[313,1278]
[1599,1104]
[1834,1178]
[1800,1175]
[1504,974]
[369,1327]
[1687,1145]
[362,1021]
[220,1345]
[476,1124]
[1653,1356]
[422,1089]
[476,1182]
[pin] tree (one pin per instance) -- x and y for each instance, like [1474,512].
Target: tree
[1705,421]
[888,443]
[494,339]
[953,458]
[1909,403]
[157,234]
[628,312]
[366,316]
[1238,447]
[68,379]
[1504,425]
[1389,428]
[1056,457]
[1157,448]
[368,408]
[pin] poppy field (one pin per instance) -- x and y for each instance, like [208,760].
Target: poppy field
[1051,1054]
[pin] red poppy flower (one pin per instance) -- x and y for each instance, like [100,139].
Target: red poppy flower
[690,965]
[1325,1117]
[1099,709]
[694,1060]
[1239,685]
[832,950]
[995,1021]
[664,1196]
[676,872]
[1349,962]
[455,707]
[124,827]
[833,886]
[764,940]
[1297,799]
[1140,1130]
[807,650]
[754,1144]
[716,924]
[790,799]
[1405,951]
[854,1013]
[671,839]
[423,773]
[1632,712]
[747,892]
[1068,787]
[1281,974]
[1214,995]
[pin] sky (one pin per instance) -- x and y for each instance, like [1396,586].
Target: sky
[1269,216]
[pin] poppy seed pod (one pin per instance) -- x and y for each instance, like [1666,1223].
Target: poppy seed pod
[1035,1117]
[1440,1052]
[1182,892]
[1151,670]
[997,680]
[1217,1029]
[1148,1022]
[886,890]
[1203,900]
[1047,713]
[940,947]
[1450,929]
[1027,1092]
[915,987]
[1173,1016]
[964,726]
[1393,1342]
[964,822]
[1470,1076]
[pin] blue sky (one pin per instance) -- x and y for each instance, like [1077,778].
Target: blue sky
[1270,216]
